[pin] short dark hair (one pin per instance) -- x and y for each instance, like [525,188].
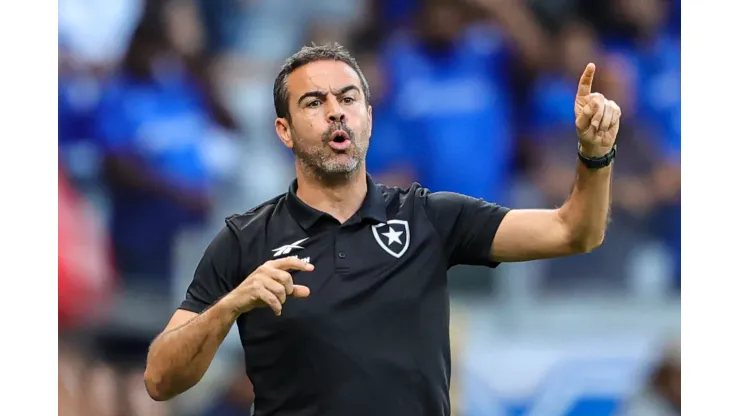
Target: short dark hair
[308,54]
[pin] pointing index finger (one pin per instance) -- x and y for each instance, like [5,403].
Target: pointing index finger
[291,263]
[587,78]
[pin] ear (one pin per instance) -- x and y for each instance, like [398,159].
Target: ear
[370,120]
[282,128]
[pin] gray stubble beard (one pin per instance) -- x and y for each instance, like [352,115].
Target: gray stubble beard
[318,164]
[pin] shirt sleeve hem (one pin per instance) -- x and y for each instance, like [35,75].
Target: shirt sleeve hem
[193,306]
[485,238]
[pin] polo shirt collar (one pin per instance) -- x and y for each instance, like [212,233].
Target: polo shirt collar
[372,208]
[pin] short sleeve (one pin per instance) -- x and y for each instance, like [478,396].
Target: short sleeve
[466,225]
[217,273]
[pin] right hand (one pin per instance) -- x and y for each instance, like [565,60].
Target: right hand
[270,285]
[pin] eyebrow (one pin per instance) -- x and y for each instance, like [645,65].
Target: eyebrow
[322,94]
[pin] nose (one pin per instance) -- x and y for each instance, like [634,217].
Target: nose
[334,112]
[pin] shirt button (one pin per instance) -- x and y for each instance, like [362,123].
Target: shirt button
[341,255]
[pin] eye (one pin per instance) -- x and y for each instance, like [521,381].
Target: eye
[314,104]
[348,100]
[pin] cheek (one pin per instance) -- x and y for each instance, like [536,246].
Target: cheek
[315,122]
[308,130]
[359,120]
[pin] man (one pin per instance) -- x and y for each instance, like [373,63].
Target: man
[359,324]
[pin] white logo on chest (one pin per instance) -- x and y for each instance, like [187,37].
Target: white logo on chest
[393,237]
[286,249]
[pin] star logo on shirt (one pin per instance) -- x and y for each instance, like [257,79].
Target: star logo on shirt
[395,237]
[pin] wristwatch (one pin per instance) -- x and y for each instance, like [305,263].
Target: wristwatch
[598,162]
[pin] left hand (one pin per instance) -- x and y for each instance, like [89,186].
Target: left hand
[597,119]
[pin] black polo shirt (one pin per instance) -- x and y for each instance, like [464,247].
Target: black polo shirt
[373,336]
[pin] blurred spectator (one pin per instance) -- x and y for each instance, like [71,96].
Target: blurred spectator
[446,116]
[654,51]
[166,142]
[448,85]
[643,194]
[553,91]
[643,35]
[644,39]
[156,125]
[634,204]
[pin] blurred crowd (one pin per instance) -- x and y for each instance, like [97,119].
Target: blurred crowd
[166,126]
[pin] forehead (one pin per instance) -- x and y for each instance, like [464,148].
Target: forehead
[322,75]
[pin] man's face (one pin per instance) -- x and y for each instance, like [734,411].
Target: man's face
[331,121]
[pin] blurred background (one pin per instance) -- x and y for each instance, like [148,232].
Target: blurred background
[166,127]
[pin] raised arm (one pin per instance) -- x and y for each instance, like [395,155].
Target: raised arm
[579,225]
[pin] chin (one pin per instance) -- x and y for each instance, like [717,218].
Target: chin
[340,170]
[342,163]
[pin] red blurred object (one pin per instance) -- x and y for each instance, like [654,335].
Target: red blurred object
[85,267]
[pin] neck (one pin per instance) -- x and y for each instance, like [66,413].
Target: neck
[341,198]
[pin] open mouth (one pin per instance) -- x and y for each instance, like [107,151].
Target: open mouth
[340,140]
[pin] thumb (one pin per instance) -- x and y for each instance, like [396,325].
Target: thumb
[300,291]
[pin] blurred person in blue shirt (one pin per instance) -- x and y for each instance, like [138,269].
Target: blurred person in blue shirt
[645,37]
[451,100]
[156,121]
[159,127]
[636,188]
[551,92]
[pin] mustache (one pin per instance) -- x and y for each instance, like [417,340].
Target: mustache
[326,137]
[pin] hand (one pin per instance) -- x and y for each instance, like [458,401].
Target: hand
[269,285]
[597,119]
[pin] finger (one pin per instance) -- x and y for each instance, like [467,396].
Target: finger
[300,291]
[587,78]
[617,114]
[614,129]
[269,299]
[584,119]
[290,263]
[606,121]
[276,288]
[282,277]
[599,113]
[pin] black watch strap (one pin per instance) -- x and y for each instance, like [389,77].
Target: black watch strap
[598,162]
